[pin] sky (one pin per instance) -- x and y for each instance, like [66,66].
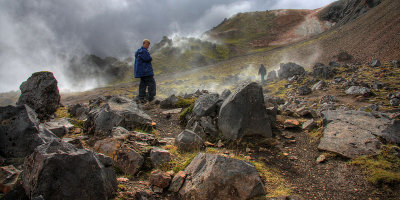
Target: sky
[40,35]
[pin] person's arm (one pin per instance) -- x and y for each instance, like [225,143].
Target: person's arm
[145,56]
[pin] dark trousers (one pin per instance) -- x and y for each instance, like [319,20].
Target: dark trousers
[149,83]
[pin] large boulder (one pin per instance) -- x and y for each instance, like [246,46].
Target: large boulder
[116,111]
[322,71]
[206,104]
[357,133]
[40,92]
[57,170]
[243,113]
[20,132]
[217,177]
[187,140]
[125,158]
[289,70]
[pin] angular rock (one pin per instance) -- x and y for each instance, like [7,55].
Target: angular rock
[189,141]
[395,102]
[177,182]
[116,111]
[217,177]
[9,178]
[198,129]
[355,133]
[309,125]
[206,104]
[304,90]
[59,126]
[74,141]
[328,99]
[375,63]
[244,113]
[225,94]
[318,86]
[20,132]
[120,133]
[159,156]
[359,90]
[78,111]
[289,70]
[322,71]
[57,170]
[272,76]
[169,102]
[125,158]
[40,92]
[396,63]
[291,123]
[321,158]
[160,179]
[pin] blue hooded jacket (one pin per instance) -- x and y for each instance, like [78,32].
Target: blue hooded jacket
[143,63]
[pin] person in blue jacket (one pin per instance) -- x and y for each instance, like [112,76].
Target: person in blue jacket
[144,70]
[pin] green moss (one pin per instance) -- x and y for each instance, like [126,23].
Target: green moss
[77,123]
[188,110]
[180,159]
[183,103]
[382,169]
[62,112]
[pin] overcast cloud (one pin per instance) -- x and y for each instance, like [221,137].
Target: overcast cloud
[38,35]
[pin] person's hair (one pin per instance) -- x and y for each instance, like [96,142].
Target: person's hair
[146,41]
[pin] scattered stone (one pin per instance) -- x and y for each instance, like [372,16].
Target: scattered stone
[116,111]
[187,140]
[169,102]
[272,76]
[244,113]
[125,158]
[322,71]
[334,64]
[20,132]
[206,104]
[304,90]
[321,158]
[289,70]
[159,156]
[217,177]
[40,92]
[173,111]
[375,63]
[355,133]
[160,179]
[68,173]
[318,86]
[9,178]
[309,125]
[395,102]
[396,63]
[343,56]
[328,99]
[59,126]
[370,108]
[291,123]
[359,90]
[177,182]
[377,85]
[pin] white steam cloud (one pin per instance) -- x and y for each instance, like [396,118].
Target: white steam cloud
[42,35]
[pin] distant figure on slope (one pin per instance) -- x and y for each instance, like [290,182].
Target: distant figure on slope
[144,71]
[262,72]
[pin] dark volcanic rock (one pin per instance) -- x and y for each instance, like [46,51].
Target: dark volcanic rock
[355,133]
[159,156]
[206,104]
[359,90]
[289,70]
[187,140]
[40,92]
[59,126]
[322,71]
[9,178]
[304,90]
[78,111]
[20,132]
[117,111]
[169,102]
[58,170]
[244,113]
[375,63]
[217,177]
